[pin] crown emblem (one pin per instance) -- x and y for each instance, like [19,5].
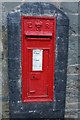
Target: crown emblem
[38,25]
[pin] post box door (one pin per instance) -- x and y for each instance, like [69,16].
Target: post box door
[38,73]
[38,46]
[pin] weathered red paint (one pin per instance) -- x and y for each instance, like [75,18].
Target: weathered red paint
[38,34]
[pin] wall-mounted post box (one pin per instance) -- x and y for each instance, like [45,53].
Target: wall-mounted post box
[38,53]
[37,61]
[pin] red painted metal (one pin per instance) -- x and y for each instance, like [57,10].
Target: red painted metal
[38,40]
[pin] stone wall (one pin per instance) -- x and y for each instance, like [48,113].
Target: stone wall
[71,10]
[1,48]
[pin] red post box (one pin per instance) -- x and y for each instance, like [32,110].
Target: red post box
[38,58]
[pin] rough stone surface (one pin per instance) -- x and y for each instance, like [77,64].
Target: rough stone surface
[53,109]
[72,95]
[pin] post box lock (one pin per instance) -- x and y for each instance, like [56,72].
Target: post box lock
[35,76]
[38,56]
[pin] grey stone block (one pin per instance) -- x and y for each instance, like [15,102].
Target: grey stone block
[73,50]
[70,7]
[5,110]
[73,69]
[73,22]
[72,106]
[71,110]
[71,99]
[4,43]
[73,114]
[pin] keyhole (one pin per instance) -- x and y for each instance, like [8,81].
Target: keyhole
[33,77]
